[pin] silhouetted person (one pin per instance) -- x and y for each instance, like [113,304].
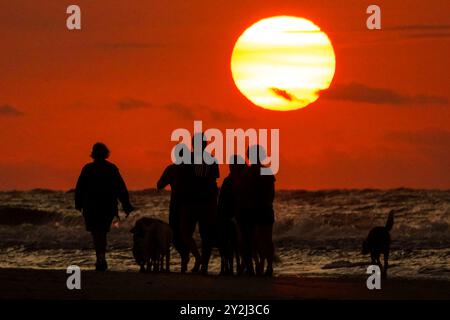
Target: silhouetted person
[245,220]
[227,212]
[257,215]
[99,187]
[263,187]
[200,203]
[173,175]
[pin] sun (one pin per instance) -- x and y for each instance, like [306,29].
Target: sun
[282,63]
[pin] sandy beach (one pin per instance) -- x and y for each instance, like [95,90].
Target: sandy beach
[51,284]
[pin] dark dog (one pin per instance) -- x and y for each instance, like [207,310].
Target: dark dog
[379,242]
[151,244]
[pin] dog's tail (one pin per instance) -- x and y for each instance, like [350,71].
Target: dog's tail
[390,221]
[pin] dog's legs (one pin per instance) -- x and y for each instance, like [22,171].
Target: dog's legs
[378,262]
[231,264]
[258,260]
[238,261]
[222,262]
[155,264]
[262,262]
[386,263]
[168,261]
[373,258]
[161,262]
[184,262]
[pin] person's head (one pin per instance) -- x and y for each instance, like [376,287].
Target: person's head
[199,139]
[237,164]
[180,151]
[99,151]
[255,154]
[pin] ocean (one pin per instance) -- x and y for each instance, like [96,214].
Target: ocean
[317,233]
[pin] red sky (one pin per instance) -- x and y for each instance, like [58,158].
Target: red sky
[384,123]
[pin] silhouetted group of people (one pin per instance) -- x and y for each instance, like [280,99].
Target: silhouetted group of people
[238,220]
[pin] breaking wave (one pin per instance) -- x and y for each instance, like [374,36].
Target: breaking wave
[304,219]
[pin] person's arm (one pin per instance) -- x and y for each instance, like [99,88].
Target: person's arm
[165,179]
[270,191]
[79,190]
[123,194]
[216,171]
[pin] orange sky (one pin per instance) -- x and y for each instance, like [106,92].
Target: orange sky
[139,69]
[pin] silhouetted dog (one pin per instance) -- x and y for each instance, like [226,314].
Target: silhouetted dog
[379,242]
[151,244]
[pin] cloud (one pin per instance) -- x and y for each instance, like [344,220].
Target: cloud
[419,27]
[422,31]
[130,103]
[223,116]
[180,109]
[200,111]
[430,137]
[131,45]
[10,111]
[357,92]
[428,35]
[283,94]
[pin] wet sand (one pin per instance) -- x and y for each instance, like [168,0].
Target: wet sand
[51,284]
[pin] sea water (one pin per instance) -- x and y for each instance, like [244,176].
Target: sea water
[317,233]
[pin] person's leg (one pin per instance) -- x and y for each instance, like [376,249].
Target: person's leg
[206,224]
[177,240]
[240,249]
[100,242]
[248,232]
[268,230]
[258,247]
[236,251]
[227,243]
[386,263]
[188,223]
[168,261]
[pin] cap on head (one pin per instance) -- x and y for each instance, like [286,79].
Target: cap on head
[99,151]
